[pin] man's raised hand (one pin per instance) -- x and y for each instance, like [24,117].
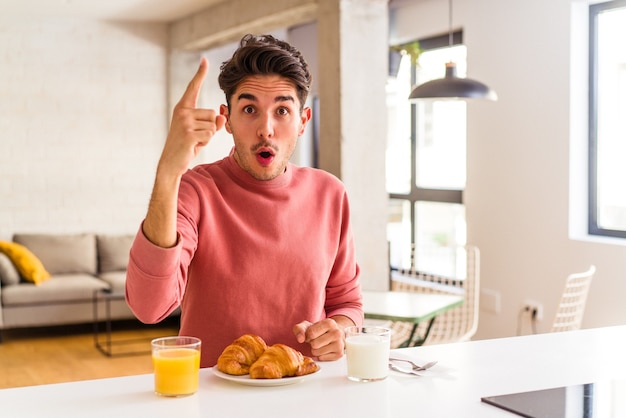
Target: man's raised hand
[191,128]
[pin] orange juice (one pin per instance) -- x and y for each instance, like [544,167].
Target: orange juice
[176,371]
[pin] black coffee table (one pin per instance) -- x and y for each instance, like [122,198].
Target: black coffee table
[105,297]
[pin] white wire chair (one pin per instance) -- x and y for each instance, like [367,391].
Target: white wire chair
[569,314]
[455,325]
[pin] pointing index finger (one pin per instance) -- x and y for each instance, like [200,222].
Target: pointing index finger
[190,97]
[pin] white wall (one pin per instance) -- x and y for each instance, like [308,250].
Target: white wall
[518,185]
[82,120]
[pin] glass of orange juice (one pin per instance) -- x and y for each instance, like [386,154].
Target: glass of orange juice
[176,362]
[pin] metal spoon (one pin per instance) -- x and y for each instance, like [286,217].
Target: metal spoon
[416,367]
[401,370]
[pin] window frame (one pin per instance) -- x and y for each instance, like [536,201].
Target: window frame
[592,225]
[420,194]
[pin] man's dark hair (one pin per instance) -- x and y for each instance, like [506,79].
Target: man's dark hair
[264,54]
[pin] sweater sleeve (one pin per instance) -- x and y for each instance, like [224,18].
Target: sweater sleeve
[343,291]
[153,289]
[156,277]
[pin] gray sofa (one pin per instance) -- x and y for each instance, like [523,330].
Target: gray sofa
[79,265]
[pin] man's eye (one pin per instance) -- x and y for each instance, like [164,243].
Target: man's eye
[248,109]
[283,111]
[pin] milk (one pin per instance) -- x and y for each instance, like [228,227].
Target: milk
[367,356]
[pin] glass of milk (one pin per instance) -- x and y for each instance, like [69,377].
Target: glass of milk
[367,353]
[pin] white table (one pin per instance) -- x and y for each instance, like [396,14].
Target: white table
[414,307]
[453,388]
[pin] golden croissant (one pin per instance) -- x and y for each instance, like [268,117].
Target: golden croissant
[237,357]
[281,360]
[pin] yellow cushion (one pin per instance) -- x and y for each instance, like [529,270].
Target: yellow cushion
[29,266]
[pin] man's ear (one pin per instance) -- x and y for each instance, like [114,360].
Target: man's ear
[224,111]
[305,117]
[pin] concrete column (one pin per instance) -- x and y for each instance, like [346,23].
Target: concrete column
[353,46]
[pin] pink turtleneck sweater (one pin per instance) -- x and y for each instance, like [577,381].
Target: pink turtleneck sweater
[252,257]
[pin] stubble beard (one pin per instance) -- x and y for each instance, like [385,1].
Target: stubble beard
[246,164]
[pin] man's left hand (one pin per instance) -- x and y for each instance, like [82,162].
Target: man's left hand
[326,337]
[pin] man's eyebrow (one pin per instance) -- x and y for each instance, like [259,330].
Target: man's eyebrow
[247,96]
[284,99]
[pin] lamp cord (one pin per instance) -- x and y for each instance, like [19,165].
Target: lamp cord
[450,23]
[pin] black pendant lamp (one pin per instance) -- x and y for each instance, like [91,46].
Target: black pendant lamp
[451,86]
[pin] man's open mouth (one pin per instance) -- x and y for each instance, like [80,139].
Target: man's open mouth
[265,157]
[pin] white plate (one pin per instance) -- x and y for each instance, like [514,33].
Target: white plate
[245,379]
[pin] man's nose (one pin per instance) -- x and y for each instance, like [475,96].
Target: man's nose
[265,128]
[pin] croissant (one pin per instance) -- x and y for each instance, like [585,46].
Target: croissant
[237,357]
[281,360]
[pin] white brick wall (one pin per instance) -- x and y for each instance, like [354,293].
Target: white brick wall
[83,116]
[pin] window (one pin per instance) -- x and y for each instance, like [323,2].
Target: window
[607,121]
[425,161]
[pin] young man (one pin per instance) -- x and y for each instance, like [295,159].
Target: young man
[251,243]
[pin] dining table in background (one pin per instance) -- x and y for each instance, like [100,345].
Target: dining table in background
[412,307]
[465,373]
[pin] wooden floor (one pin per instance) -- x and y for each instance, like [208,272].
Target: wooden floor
[63,354]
